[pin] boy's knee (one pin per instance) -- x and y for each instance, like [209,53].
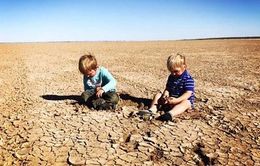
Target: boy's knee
[187,104]
[111,97]
[114,98]
[86,95]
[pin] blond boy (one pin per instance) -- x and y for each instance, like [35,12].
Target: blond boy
[178,95]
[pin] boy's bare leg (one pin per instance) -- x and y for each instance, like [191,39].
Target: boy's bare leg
[180,108]
[153,107]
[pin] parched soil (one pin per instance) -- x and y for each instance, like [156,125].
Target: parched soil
[43,121]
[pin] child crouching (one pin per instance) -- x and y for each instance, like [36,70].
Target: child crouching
[99,84]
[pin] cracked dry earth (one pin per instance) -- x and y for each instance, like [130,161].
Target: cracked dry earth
[43,121]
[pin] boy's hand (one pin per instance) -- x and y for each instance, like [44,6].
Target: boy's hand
[98,88]
[162,100]
[99,91]
[165,95]
[172,100]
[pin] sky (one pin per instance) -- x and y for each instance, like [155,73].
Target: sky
[126,20]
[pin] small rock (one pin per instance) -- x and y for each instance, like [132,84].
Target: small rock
[178,161]
[115,146]
[21,154]
[147,163]
[141,106]
[76,159]
[210,107]
[1,141]
[26,145]
[150,139]
[212,155]
[182,149]
[136,137]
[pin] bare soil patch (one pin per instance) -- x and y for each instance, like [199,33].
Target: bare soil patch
[43,121]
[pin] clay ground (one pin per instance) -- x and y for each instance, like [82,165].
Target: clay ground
[44,123]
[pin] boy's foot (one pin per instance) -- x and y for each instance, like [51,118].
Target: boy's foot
[165,117]
[98,104]
[146,115]
[101,104]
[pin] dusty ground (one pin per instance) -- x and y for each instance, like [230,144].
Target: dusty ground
[43,122]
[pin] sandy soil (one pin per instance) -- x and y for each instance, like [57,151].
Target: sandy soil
[43,122]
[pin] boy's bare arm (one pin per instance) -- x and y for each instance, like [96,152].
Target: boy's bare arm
[165,94]
[185,96]
[163,98]
[99,91]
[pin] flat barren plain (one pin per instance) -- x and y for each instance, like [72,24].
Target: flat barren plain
[43,121]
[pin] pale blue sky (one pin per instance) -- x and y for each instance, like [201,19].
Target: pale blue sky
[98,20]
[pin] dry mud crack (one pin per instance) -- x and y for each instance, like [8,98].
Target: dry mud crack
[43,122]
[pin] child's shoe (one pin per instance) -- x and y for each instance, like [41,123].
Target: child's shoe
[165,117]
[146,115]
[102,104]
[98,104]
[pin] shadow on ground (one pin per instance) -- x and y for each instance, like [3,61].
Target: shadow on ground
[137,100]
[62,97]
[77,98]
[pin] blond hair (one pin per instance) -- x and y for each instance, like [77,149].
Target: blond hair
[87,62]
[176,60]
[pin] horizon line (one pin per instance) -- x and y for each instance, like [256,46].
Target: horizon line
[80,41]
